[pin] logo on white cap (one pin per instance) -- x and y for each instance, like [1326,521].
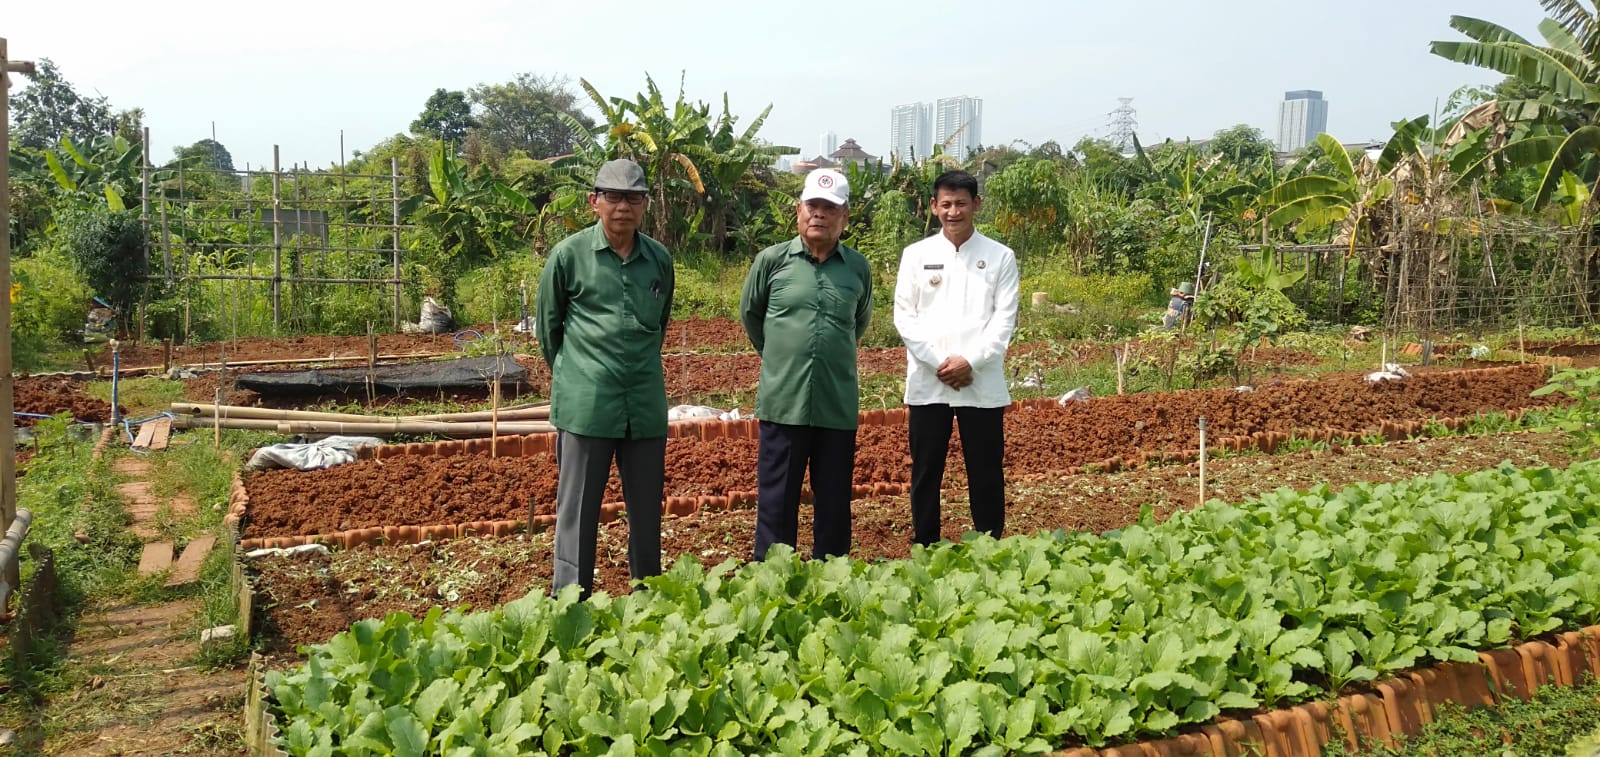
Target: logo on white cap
[826,184]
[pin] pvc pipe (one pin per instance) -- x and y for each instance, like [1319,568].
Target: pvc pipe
[9,547]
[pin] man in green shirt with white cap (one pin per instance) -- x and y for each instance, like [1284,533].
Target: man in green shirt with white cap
[604,298]
[805,305]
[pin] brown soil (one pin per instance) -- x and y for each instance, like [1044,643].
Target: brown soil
[308,600]
[400,491]
[422,490]
[48,395]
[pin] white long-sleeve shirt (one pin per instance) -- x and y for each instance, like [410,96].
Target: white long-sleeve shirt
[956,302]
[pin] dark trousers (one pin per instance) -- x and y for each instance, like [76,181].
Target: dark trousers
[786,451]
[982,446]
[583,466]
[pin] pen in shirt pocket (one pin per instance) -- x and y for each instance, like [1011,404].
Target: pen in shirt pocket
[655,288]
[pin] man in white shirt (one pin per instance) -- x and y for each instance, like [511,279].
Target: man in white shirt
[955,306]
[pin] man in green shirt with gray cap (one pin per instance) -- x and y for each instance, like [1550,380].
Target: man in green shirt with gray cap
[604,299]
[805,305]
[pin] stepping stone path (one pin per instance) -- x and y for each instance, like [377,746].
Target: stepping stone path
[143,506]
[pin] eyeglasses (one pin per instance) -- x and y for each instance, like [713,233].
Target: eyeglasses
[619,198]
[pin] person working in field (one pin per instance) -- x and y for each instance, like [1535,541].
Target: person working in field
[955,306]
[604,298]
[805,305]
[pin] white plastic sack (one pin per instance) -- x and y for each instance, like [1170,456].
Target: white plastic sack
[436,318]
[701,412]
[1081,394]
[323,453]
[1390,372]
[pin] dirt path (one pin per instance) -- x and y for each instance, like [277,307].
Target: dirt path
[140,685]
[141,690]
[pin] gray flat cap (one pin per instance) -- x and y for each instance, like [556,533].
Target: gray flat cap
[621,175]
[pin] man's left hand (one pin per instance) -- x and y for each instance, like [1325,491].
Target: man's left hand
[955,371]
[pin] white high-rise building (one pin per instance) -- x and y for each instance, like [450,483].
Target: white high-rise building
[958,125]
[1302,115]
[911,132]
[827,143]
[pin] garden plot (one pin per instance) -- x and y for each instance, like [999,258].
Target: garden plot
[307,600]
[439,484]
[49,395]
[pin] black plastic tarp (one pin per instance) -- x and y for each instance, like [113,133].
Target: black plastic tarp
[462,373]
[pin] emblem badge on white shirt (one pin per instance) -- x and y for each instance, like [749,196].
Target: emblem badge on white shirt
[935,281]
[980,265]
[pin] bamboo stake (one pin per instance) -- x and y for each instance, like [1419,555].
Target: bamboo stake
[372,364]
[1202,460]
[494,419]
[216,440]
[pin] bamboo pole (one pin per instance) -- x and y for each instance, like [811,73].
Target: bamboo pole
[217,422]
[1202,460]
[8,458]
[494,418]
[296,361]
[266,413]
[410,427]
[394,251]
[277,241]
[363,429]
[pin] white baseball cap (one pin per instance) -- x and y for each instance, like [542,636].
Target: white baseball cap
[826,184]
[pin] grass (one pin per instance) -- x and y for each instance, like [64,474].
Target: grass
[1554,719]
[141,396]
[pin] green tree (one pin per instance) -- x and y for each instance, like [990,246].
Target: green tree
[207,153]
[107,248]
[526,114]
[446,116]
[49,109]
[1031,198]
[1241,144]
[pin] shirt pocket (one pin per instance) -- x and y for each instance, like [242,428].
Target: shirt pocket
[649,297]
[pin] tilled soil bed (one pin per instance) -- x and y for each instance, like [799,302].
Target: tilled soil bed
[48,395]
[420,490]
[306,600]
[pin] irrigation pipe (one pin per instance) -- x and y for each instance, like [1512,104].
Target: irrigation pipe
[9,547]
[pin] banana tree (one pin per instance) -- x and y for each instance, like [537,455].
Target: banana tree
[1566,69]
[728,163]
[107,167]
[466,212]
[1345,197]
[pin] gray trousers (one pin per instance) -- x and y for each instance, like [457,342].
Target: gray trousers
[583,466]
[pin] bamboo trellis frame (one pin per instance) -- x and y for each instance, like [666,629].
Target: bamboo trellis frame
[182,234]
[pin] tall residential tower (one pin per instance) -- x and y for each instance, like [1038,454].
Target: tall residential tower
[1302,115]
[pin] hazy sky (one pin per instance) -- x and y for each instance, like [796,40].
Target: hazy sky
[294,72]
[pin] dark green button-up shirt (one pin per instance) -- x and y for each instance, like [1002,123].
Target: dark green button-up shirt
[805,318]
[602,320]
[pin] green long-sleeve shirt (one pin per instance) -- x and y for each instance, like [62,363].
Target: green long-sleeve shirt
[602,320]
[806,318]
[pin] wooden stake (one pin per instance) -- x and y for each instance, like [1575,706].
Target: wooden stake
[166,354]
[1522,349]
[494,418]
[1122,360]
[372,364]
[216,426]
[1202,459]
